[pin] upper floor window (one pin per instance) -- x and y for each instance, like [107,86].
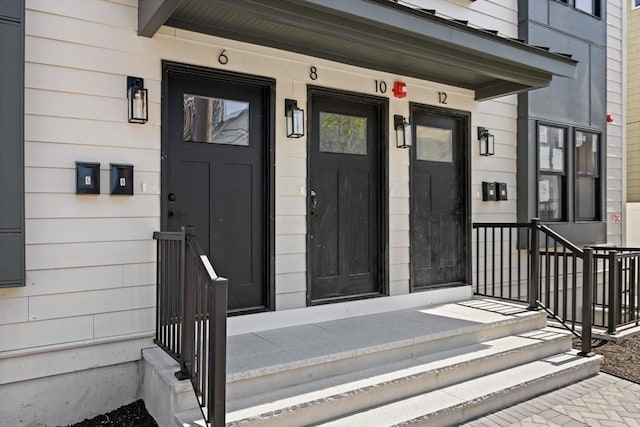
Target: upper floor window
[569,174]
[593,7]
[587,176]
[636,3]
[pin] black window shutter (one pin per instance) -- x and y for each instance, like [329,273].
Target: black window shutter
[12,268]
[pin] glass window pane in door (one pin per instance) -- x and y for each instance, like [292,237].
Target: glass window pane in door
[434,144]
[343,134]
[215,120]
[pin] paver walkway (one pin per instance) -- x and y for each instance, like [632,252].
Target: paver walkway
[603,400]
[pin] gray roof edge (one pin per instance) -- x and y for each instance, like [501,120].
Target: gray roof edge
[379,15]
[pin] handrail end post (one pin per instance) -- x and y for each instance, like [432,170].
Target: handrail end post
[534,273]
[587,302]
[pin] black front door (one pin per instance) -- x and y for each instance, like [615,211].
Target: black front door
[216,177]
[438,199]
[344,203]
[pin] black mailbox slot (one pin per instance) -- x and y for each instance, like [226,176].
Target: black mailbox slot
[122,179]
[87,178]
[501,190]
[488,191]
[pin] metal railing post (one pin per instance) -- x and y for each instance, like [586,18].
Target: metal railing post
[614,286]
[188,308]
[587,301]
[217,354]
[534,272]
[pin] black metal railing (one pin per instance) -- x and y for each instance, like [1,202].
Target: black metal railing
[530,263]
[192,318]
[579,287]
[617,298]
[169,291]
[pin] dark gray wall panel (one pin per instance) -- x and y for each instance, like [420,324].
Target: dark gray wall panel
[565,99]
[598,87]
[534,11]
[12,143]
[571,103]
[11,259]
[10,115]
[577,23]
[11,9]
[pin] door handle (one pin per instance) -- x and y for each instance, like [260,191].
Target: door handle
[314,200]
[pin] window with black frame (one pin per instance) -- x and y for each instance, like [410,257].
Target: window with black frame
[551,172]
[592,7]
[587,175]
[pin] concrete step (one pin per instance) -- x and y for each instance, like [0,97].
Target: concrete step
[368,387]
[163,394]
[344,368]
[464,401]
[360,345]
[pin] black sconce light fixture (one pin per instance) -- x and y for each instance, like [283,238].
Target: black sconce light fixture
[295,119]
[403,131]
[487,142]
[137,100]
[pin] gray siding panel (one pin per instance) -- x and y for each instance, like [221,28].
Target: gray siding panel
[11,259]
[578,103]
[12,9]
[12,143]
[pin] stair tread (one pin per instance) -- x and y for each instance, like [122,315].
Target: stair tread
[469,392]
[362,380]
[270,352]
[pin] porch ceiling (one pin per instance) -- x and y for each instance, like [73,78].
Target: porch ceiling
[376,34]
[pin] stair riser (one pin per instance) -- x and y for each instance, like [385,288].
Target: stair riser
[529,390]
[266,383]
[339,406]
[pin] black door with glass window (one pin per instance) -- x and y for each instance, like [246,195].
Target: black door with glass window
[215,177]
[344,202]
[439,213]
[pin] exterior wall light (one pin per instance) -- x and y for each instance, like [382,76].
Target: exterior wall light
[295,119]
[487,142]
[403,131]
[137,100]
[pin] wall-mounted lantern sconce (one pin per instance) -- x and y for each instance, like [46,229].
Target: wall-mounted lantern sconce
[137,100]
[295,119]
[403,131]
[487,142]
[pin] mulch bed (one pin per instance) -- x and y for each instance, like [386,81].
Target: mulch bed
[620,360]
[132,415]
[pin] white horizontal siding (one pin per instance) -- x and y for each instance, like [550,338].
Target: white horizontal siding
[14,310]
[53,331]
[91,302]
[60,361]
[616,197]
[90,259]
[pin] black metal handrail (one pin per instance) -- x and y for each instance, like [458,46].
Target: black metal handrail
[579,287]
[192,318]
[169,291]
[528,262]
[617,297]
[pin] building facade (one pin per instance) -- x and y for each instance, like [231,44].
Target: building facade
[632,100]
[336,214]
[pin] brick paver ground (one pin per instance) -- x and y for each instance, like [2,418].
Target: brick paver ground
[603,400]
